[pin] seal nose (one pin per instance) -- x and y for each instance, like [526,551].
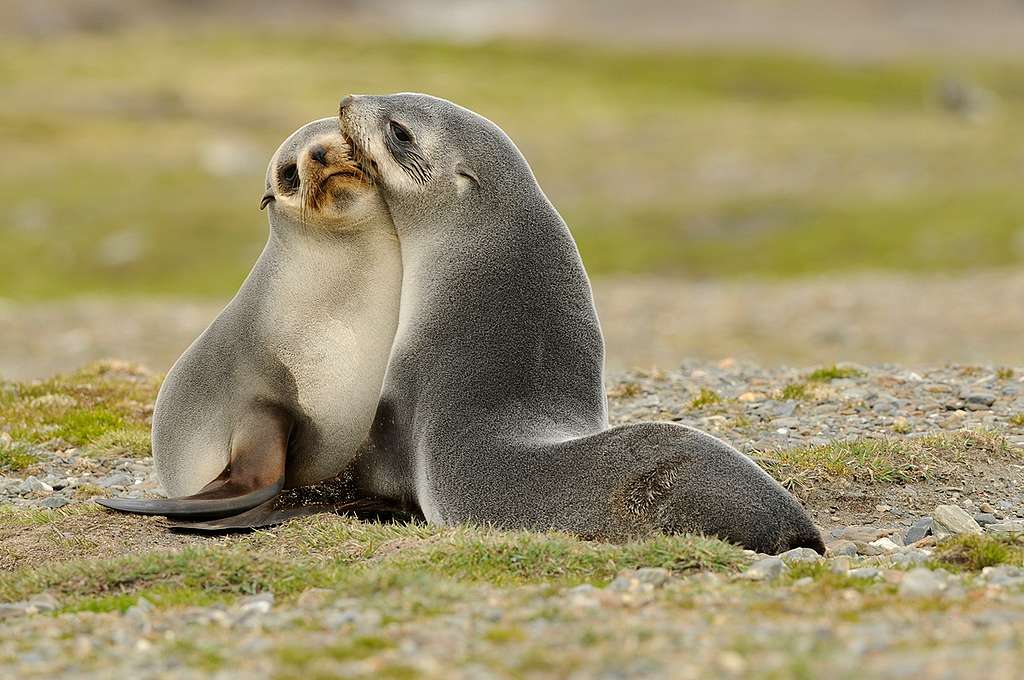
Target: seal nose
[319,154]
[346,102]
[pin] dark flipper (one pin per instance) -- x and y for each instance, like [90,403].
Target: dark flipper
[338,496]
[254,475]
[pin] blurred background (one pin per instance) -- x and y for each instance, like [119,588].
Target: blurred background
[786,181]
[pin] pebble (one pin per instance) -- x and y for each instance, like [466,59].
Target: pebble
[768,569]
[842,547]
[55,502]
[797,555]
[866,573]
[921,582]
[1013,526]
[886,544]
[117,479]
[32,484]
[862,534]
[985,518]
[950,520]
[920,529]
[1003,575]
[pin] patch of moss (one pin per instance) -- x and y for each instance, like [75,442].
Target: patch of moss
[128,441]
[1017,419]
[797,391]
[834,372]
[626,390]
[882,461]
[705,398]
[974,552]
[106,404]
[14,456]
[1005,373]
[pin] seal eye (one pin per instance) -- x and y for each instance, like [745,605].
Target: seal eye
[288,177]
[401,132]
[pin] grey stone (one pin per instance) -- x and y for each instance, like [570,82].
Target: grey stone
[116,479]
[950,520]
[920,529]
[866,573]
[55,502]
[43,602]
[979,400]
[839,565]
[921,582]
[800,555]
[842,547]
[765,570]
[1003,575]
[655,576]
[33,484]
[862,534]
[1011,526]
[985,518]
[910,557]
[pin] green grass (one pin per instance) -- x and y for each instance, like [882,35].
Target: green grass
[883,461]
[14,456]
[971,552]
[695,163]
[356,559]
[796,391]
[104,407]
[830,373]
[705,398]
[1017,419]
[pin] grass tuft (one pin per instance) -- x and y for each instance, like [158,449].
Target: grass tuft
[14,456]
[882,461]
[834,372]
[971,552]
[705,398]
[796,391]
[1017,419]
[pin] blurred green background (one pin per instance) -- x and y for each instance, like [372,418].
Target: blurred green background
[134,152]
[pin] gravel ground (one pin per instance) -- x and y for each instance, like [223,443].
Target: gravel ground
[877,606]
[647,322]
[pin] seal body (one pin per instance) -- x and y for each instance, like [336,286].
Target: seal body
[493,408]
[281,389]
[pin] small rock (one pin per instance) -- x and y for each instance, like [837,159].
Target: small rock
[752,397]
[910,557]
[10,610]
[44,602]
[866,573]
[655,576]
[985,518]
[922,582]
[767,569]
[886,544]
[33,484]
[920,529]
[979,401]
[862,534]
[868,550]
[1003,575]
[116,479]
[842,547]
[800,555]
[951,520]
[1010,526]
[55,502]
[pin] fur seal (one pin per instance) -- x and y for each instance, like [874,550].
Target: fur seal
[493,408]
[281,389]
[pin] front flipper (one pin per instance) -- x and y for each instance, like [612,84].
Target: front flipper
[253,476]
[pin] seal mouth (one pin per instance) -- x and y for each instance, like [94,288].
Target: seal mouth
[363,163]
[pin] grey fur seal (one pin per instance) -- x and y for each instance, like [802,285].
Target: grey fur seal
[493,408]
[281,389]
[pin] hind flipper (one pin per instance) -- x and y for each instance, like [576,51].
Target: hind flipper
[254,475]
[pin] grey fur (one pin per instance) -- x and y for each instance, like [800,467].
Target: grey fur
[308,333]
[493,408]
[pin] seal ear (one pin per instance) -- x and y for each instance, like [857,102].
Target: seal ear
[267,198]
[465,176]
